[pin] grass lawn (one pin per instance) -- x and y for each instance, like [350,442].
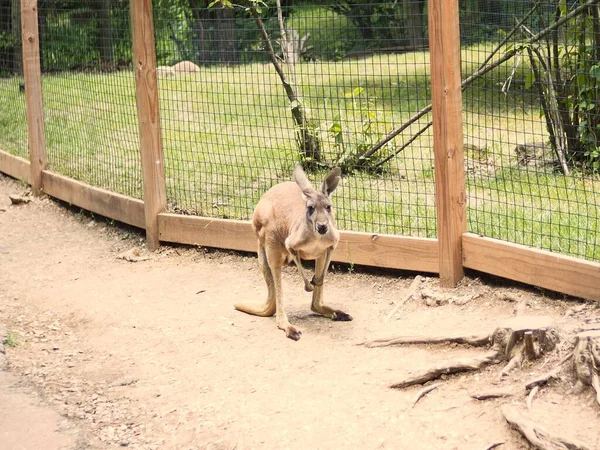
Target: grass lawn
[228,136]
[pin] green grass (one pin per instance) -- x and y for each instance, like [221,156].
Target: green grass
[228,136]
[11,339]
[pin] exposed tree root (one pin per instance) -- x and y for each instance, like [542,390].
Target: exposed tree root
[516,339]
[436,299]
[474,340]
[459,365]
[586,360]
[538,436]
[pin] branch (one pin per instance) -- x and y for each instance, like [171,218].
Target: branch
[484,69]
[409,293]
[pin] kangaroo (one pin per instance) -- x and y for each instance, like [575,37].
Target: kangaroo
[292,222]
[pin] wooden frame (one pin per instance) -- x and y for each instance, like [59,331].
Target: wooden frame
[541,268]
[100,201]
[32,74]
[397,252]
[446,98]
[146,87]
[15,166]
[448,256]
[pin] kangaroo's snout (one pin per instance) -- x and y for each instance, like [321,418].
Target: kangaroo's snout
[322,228]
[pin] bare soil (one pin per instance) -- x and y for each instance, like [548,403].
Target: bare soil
[151,354]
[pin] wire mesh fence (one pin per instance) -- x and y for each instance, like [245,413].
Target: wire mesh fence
[531,125]
[88,90]
[13,123]
[248,91]
[246,94]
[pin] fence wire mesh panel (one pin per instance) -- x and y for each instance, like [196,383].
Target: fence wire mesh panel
[246,93]
[532,122]
[13,124]
[89,93]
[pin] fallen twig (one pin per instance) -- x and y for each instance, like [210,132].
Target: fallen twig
[548,375]
[492,394]
[531,395]
[407,296]
[423,392]
[494,445]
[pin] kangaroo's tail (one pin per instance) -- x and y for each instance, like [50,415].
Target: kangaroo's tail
[266,309]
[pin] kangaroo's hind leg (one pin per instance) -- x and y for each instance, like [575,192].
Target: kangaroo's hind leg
[266,309]
[321,266]
[275,261]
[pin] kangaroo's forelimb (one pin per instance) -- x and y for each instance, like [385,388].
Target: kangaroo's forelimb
[308,283]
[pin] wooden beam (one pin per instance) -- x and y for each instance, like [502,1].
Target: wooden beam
[100,201]
[14,166]
[444,45]
[146,85]
[542,268]
[384,250]
[33,92]
[395,252]
[217,233]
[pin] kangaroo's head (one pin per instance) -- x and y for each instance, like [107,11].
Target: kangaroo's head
[319,210]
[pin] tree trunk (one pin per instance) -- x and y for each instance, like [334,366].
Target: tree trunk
[414,23]
[103,14]
[17,59]
[226,35]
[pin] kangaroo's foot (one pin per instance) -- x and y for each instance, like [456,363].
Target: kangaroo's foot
[341,316]
[293,333]
[333,314]
[290,331]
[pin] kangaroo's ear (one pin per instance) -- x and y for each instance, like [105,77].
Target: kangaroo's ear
[302,181]
[331,181]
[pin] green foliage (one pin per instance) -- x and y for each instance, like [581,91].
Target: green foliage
[355,132]
[332,35]
[11,339]
[571,84]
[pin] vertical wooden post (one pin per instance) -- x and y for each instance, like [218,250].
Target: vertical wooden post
[146,90]
[444,48]
[33,92]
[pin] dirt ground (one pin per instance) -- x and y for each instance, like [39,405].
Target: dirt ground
[152,355]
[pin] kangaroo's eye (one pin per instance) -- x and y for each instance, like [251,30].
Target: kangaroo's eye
[328,208]
[310,209]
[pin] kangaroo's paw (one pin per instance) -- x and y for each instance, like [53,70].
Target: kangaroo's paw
[340,316]
[293,333]
[308,286]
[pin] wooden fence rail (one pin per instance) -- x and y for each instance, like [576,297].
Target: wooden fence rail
[449,254]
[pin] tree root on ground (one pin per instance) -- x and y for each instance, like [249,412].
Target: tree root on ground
[586,360]
[459,365]
[515,340]
[538,436]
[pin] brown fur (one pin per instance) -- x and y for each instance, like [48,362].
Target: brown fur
[293,221]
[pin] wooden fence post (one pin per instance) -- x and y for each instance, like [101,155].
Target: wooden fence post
[33,92]
[444,48]
[146,90]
